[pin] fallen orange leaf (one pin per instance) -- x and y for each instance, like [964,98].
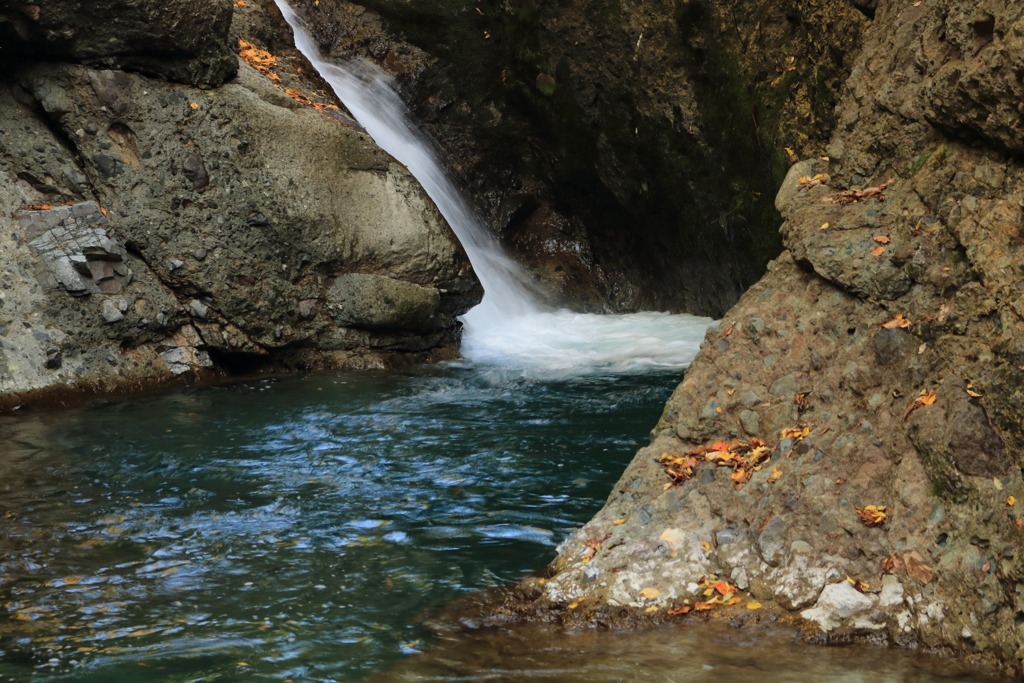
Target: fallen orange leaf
[193,105]
[898,322]
[683,609]
[619,522]
[881,239]
[753,605]
[878,251]
[1011,501]
[649,593]
[872,515]
[776,474]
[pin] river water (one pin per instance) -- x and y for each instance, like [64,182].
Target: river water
[306,529]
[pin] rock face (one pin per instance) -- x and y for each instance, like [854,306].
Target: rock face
[153,230]
[184,40]
[890,329]
[627,153]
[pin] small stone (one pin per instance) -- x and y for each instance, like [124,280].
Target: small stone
[772,541]
[197,309]
[307,308]
[646,511]
[726,535]
[892,591]
[175,264]
[111,312]
[257,220]
[801,548]
[53,358]
[754,327]
[199,254]
[784,387]
[837,602]
[751,422]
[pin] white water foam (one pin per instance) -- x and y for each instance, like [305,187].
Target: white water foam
[509,329]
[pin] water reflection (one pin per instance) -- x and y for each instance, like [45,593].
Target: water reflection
[696,652]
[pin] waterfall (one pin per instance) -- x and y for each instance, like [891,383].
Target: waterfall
[366,91]
[509,329]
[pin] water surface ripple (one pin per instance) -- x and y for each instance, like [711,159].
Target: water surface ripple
[298,528]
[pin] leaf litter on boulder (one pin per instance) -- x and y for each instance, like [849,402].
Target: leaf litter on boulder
[923,400]
[872,515]
[854,196]
[742,457]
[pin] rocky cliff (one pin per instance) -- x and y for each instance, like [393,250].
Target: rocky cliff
[169,211]
[627,153]
[845,451]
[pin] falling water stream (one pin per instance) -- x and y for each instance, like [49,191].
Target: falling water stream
[314,529]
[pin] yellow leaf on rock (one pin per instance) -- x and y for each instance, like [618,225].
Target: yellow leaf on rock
[824,226]
[753,605]
[652,608]
[898,322]
[872,515]
[72,580]
[649,593]
[1011,501]
[707,546]
[776,474]
[619,522]
[193,105]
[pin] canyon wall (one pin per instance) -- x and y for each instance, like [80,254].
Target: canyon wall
[626,153]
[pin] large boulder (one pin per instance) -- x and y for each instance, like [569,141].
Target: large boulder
[153,230]
[881,361]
